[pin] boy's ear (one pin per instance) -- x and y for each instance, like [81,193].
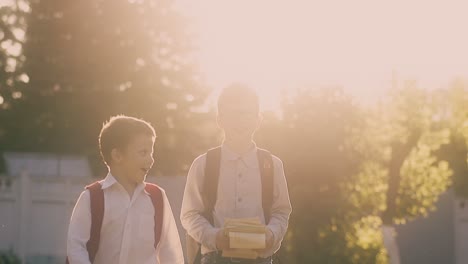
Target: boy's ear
[116,155]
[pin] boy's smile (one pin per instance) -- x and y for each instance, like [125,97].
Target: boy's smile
[137,158]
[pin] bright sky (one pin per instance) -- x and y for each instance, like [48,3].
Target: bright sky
[279,44]
[356,44]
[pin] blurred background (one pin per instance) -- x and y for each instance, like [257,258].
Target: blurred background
[366,102]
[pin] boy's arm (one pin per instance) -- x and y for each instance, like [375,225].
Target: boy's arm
[191,214]
[281,207]
[169,249]
[79,231]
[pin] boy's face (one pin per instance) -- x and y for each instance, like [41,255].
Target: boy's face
[239,121]
[137,159]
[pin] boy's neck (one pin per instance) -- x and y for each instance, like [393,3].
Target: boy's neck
[123,180]
[239,147]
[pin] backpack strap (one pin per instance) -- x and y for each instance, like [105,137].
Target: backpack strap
[265,162]
[97,214]
[210,182]
[96,197]
[209,192]
[157,199]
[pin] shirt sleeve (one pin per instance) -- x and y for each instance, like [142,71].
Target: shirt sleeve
[79,231]
[169,249]
[281,207]
[191,216]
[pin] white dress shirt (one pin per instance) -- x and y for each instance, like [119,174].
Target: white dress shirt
[239,196]
[127,233]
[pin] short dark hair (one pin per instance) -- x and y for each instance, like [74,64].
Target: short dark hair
[238,93]
[119,131]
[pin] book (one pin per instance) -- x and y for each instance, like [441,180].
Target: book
[246,235]
[242,240]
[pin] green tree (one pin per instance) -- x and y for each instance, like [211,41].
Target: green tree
[401,175]
[87,60]
[352,168]
[12,35]
[311,140]
[455,114]
[401,139]
[9,257]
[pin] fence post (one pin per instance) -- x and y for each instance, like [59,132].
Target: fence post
[25,202]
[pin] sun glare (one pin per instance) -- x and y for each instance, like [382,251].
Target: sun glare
[358,45]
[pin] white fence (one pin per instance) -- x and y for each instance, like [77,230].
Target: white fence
[461,231]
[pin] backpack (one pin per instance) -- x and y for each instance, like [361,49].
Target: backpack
[97,215]
[210,188]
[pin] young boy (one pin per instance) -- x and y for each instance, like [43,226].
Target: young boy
[131,229]
[239,188]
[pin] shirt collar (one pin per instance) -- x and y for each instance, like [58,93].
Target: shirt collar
[110,180]
[249,158]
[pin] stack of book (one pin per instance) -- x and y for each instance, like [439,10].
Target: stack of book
[246,235]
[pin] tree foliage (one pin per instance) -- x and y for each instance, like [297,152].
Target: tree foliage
[87,60]
[352,169]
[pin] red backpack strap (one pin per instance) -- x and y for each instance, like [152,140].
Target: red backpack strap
[157,199]
[97,214]
[96,197]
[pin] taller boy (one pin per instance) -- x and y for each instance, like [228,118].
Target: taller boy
[123,219]
[239,191]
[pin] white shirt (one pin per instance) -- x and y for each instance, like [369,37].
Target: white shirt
[239,195]
[127,233]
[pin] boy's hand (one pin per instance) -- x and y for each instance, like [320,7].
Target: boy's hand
[269,240]
[222,241]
